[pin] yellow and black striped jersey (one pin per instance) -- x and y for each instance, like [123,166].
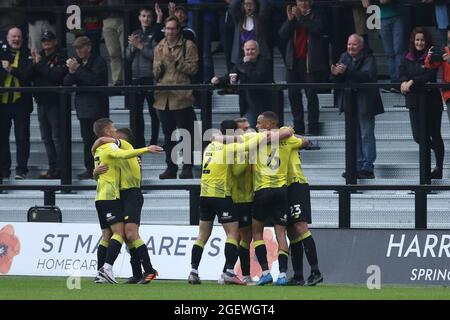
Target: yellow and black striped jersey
[218,159]
[272,161]
[295,170]
[108,184]
[130,170]
[216,170]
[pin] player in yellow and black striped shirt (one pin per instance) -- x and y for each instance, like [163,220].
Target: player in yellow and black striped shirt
[132,201]
[270,198]
[108,205]
[215,199]
[298,219]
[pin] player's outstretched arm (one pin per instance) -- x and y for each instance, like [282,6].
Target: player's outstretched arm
[155,149]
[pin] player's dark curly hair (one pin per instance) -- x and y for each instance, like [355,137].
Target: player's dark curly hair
[227,125]
[128,134]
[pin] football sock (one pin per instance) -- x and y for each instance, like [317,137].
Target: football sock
[310,251]
[142,253]
[197,251]
[261,254]
[114,248]
[244,257]
[282,261]
[231,253]
[134,261]
[101,253]
[297,257]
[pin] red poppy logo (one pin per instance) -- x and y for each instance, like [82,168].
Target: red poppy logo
[272,255]
[9,248]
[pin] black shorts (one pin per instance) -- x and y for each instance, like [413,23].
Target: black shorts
[223,208]
[244,213]
[299,203]
[132,202]
[271,203]
[109,212]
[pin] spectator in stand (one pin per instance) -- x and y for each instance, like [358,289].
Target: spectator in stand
[360,20]
[253,68]
[306,60]
[49,69]
[39,22]
[436,58]
[226,27]
[442,19]
[140,52]
[393,36]
[88,70]
[92,24]
[251,22]
[15,71]
[413,74]
[114,39]
[181,13]
[12,18]
[175,61]
[359,65]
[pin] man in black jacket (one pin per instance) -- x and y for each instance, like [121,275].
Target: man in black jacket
[253,68]
[306,60]
[88,70]
[355,66]
[140,53]
[15,71]
[49,69]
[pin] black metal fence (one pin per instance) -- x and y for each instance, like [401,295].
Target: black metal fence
[205,91]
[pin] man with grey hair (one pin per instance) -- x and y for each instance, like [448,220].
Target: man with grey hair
[253,68]
[15,71]
[355,66]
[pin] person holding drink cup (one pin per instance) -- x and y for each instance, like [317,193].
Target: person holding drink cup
[253,68]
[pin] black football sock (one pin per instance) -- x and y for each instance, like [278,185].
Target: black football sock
[142,253]
[297,257]
[244,257]
[101,253]
[231,254]
[197,251]
[261,254]
[282,261]
[115,244]
[134,261]
[310,251]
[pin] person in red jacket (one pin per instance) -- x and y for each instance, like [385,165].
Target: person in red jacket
[441,59]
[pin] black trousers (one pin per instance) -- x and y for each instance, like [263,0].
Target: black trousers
[298,74]
[49,124]
[170,121]
[88,136]
[21,118]
[434,118]
[137,108]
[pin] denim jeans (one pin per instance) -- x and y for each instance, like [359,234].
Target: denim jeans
[393,36]
[366,151]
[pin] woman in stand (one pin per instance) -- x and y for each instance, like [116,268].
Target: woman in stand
[413,74]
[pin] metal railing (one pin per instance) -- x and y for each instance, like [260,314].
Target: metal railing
[206,116]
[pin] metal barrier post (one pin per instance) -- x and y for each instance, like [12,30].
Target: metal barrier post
[49,198]
[350,136]
[421,209]
[194,206]
[424,141]
[344,209]
[424,163]
[278,105]
[66,138]
[206,112]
